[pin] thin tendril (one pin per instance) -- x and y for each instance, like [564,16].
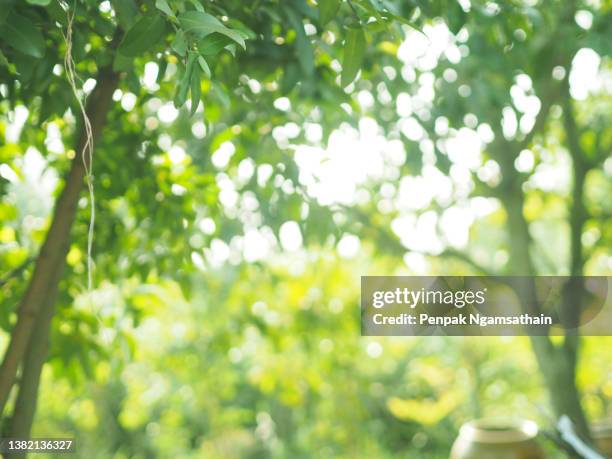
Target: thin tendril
[88,146]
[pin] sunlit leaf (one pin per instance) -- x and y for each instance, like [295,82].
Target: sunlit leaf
[213,43]
[328,10]
[3,61]
[163,6]
[354,48]
[179,44]
[183,87]
[196,88]
[201,24]
[204,66]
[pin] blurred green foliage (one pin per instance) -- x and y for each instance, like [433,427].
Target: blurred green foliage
[279,371]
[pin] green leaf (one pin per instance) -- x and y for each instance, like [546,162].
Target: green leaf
[213,43]
[272,13]
[39,2]
[231,49]
[328,10]
[302,43]
[3,61]
[163,65]
[22,35]
[182,89]
[196,88]
[132,81]
[197,5]
[291,76]
[180,97]
[455,17]
[143,35]
[202,24]
[302,7]
[103,26]
[126,11]
[354,47]
[25,66]
[122,63]
[162,5]
[179,44]
[407,22]
[377,26]
[242,29]
[204,66]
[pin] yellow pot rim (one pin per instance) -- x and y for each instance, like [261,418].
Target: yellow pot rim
[496,430]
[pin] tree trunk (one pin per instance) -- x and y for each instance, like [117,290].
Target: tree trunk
[35,357]
[558,368]
[50,263]
[557,364]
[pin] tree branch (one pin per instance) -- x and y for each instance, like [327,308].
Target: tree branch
[456,254]
[577,214]
[577,218]
[392,241]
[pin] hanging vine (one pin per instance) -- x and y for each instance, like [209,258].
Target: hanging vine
[88,145]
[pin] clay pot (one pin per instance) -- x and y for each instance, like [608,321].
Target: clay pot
[601,432]
[497,439]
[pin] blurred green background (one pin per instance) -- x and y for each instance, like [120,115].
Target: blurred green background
[348,138]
